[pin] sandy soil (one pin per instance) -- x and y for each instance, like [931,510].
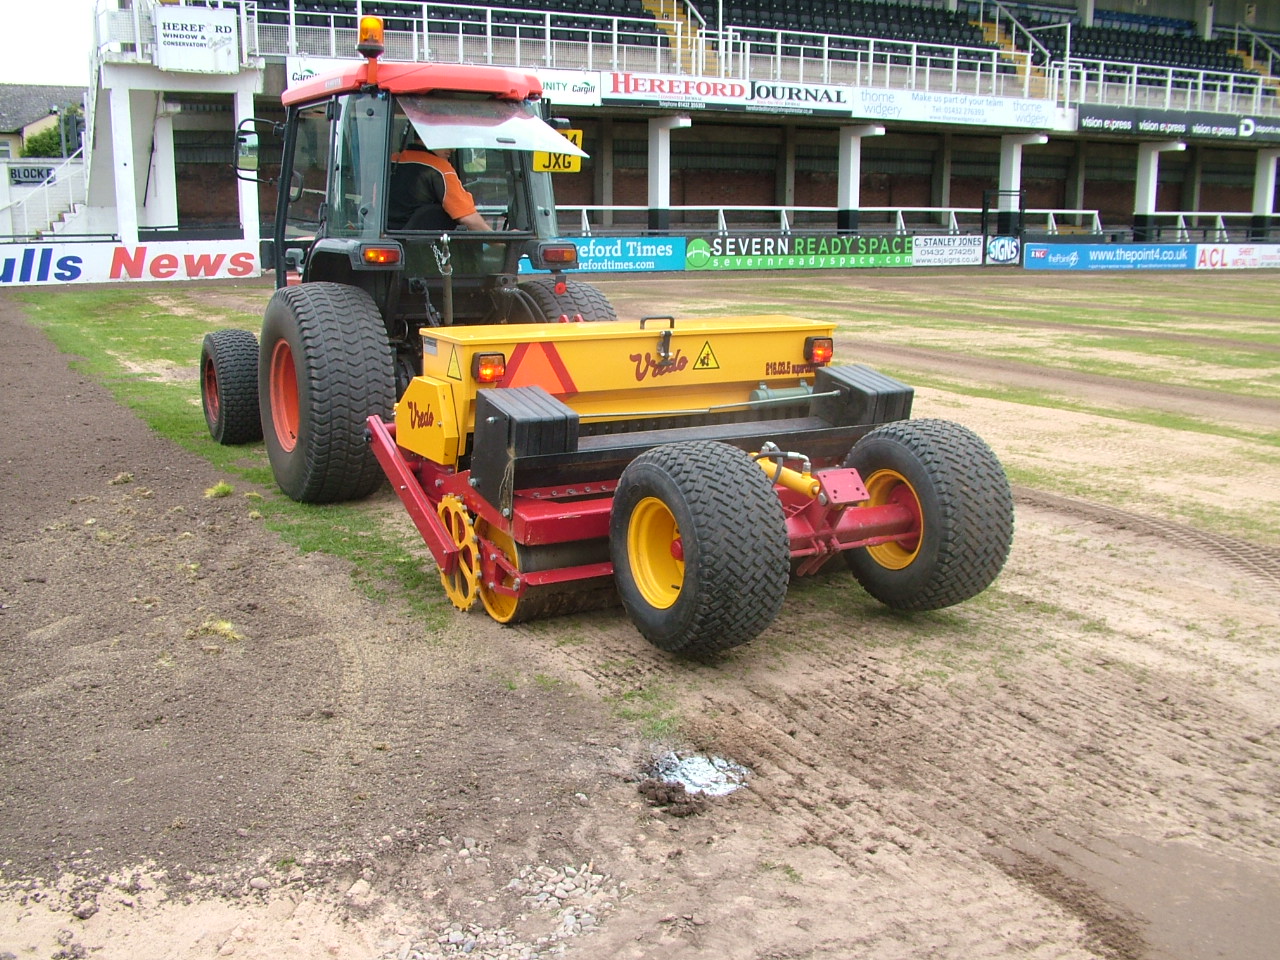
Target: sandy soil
[1080,763]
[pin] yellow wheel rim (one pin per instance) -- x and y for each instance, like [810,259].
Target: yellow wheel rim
[499,606]
[886,487]
[461,585]
[655,553]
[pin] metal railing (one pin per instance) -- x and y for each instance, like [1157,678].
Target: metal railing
[1261,53]
[35,213]
[1190,226]
[678,41]
[1166,88]
[603,220]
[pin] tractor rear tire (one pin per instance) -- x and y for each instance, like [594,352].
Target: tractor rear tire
[325,365]
[700,549]
[579,299]
[955,484]
[229,386]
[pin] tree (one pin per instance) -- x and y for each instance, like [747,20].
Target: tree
[46,143]
[66,133]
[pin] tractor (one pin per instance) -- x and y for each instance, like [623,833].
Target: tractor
[553,457]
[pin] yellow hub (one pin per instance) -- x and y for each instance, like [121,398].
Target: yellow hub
[889,486]
[655,553]
[462,585]
[500,606]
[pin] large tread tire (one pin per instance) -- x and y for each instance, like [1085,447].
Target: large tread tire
[229,386]
[325,365]
[721,509]
[579,299]
[965,507]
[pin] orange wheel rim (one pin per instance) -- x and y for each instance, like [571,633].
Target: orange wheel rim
[284,396]
[211,390]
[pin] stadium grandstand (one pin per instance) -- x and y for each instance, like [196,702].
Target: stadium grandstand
[914,116]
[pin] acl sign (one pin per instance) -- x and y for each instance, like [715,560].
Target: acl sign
[1238,256]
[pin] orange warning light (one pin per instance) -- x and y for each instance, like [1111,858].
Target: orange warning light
[370,43]
[381,255]
[819,350]
[488,367]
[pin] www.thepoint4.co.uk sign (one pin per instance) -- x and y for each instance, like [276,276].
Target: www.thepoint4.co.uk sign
[62,263]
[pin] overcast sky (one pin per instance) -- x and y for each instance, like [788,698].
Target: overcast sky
[46,41]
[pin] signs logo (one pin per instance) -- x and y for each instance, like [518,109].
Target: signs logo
[1004,249]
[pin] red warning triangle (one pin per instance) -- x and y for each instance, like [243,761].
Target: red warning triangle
[538,364]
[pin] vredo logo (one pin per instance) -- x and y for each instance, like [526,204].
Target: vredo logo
[37,265]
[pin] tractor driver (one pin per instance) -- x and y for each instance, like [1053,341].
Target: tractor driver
[426,194]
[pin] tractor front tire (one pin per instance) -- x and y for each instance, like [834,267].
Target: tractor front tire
[699,545]
[579,299]
[954,484]
[325,365]
[229,386]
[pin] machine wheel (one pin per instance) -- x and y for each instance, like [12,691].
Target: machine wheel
[955,485]
[325,365]
[578,299]
[699,545]
[534,603]
[229,386]
[460,586]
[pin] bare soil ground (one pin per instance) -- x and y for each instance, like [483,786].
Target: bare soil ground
[1084,762]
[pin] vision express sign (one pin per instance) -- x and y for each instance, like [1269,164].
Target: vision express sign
[1188,124]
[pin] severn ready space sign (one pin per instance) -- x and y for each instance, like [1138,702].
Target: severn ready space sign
[196,40]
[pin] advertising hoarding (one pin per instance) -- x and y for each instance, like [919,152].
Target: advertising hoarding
[730,252]
[1180,124]
[54,264]
[624,254]
[1238,256]
[946,251]
[1109,256]
[196,40]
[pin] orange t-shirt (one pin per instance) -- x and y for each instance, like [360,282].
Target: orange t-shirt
[458,201]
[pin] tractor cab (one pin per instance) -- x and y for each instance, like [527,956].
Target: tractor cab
[366,157]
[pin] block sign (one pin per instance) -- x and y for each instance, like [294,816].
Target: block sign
[19,175]
[560,162]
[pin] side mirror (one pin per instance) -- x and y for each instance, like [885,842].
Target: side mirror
[247,152]
[246,161]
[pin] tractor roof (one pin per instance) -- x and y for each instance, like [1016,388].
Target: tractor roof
[503,83]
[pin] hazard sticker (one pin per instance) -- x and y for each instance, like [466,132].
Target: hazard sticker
[539,364]
[455,369]
[706,358]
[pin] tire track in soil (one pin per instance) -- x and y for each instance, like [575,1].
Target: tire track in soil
[1089,387]
[1258,561]
[895,777]
[1082,329]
